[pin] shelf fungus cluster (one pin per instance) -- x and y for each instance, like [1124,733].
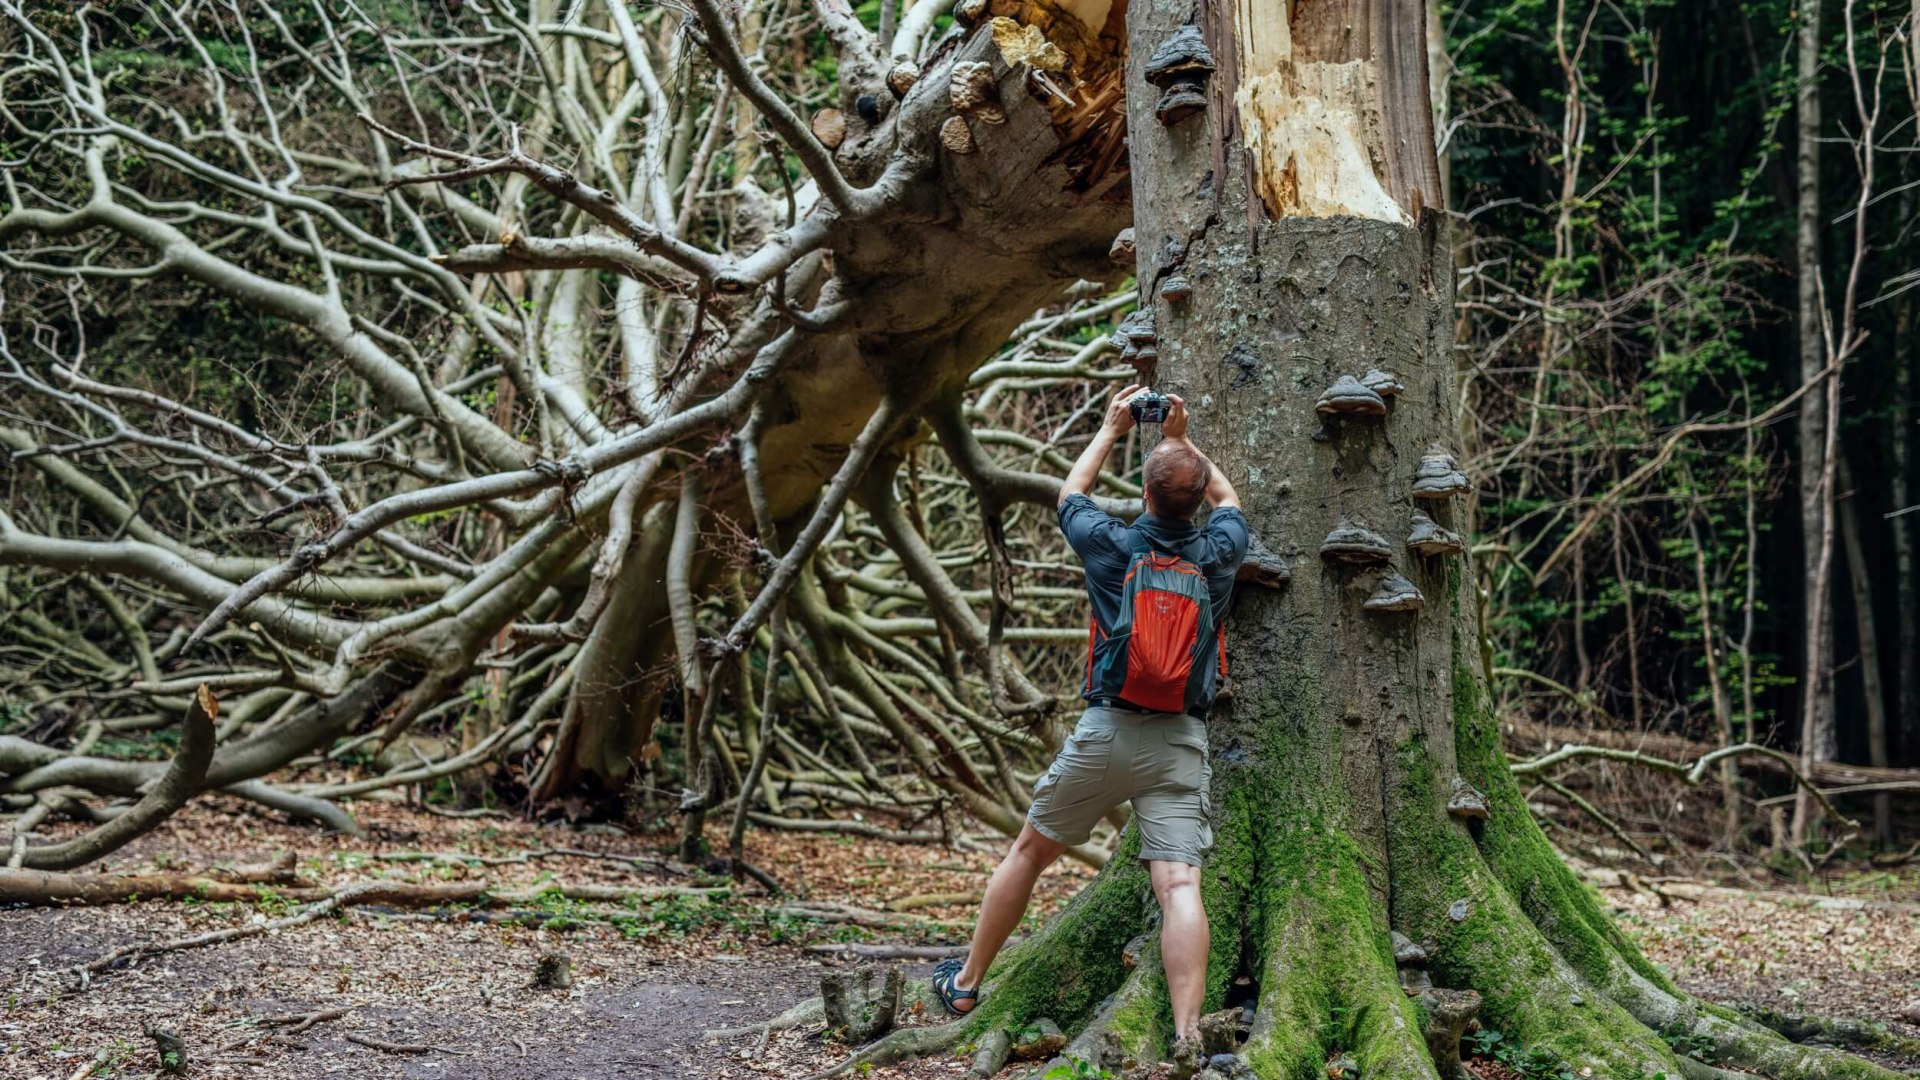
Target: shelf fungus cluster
[1180,67]
[975,96]
[1175,288]
[1349,396]
[1439,475]
[1354,544]
[1137,341]
[1411,960]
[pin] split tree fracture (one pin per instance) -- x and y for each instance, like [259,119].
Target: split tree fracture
[624,270]
[1305,200]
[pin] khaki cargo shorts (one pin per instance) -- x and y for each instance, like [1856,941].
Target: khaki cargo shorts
[1159,760]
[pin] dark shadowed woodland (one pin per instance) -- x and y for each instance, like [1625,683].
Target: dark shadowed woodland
[527,534]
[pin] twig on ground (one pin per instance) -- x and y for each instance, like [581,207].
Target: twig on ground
[402,1048]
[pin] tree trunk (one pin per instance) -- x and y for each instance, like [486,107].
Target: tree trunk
[1900,484]
[1359,784]
[1870,688]
[1817,736]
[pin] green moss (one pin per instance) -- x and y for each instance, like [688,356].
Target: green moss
[1565,909]
[1062,972]
[1527,989]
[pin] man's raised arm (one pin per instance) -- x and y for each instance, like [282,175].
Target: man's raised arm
[1080,479]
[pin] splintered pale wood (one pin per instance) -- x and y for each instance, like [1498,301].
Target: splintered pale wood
[1333,111]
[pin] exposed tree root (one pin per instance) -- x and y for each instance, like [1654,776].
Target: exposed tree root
[904,1044]
[1132,1025]
[1567,916]
[1328,982]
[1865,1034]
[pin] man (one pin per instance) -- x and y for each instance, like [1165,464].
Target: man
[1153,658]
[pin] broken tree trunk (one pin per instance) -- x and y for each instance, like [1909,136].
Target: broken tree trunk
[1296,267]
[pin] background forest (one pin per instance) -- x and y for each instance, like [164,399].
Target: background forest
[650,416]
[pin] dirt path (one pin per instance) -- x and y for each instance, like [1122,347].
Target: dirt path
[648,984]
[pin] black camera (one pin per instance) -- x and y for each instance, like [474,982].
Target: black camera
[1150,407]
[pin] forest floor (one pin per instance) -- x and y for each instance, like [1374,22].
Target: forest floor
[649,980]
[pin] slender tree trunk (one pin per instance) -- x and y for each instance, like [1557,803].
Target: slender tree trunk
[1722,711]
[1870,686]
[1817,736]
[1359,788]
[1900,485]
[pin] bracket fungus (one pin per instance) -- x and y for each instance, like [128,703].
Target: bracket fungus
[1133,331]
[1428,538]
[1395,593]
[956,136]
[1351,397]
[901,76]
[1439,476]
[1411,960]
[1384,383]
[1262,566]
[1180,68]
[1406,953]
[1122,249]
[1175,288]
[1353,543]
[975,93]
[970,12]
[1467,803]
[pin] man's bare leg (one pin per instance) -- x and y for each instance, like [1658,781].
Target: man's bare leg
[1184,940]
[1006,901]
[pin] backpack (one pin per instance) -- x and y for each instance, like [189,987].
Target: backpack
[1157,656]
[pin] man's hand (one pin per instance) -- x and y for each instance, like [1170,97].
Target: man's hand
[1175,426]
[1119,419]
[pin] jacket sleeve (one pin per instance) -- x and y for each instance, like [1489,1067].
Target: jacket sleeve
[1096,536]
[1228,534]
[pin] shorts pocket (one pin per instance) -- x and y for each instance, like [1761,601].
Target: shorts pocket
[1083,760]
[1187,770]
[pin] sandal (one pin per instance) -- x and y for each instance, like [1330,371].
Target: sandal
[951,995]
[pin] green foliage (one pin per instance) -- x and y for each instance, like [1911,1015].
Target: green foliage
[1532,1063]
[1076,1069]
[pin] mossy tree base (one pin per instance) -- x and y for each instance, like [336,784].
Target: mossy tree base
[1303,890]
[1359,785]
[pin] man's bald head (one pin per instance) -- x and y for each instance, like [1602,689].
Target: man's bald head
[1176,478]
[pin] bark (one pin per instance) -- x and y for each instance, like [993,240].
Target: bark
[1869,643]
[1900,483]
[180,782]
[1817,719]
[1359,784]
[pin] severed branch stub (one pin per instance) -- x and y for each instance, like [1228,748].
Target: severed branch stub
[182,781]
[171,1049]
[554,972]
[1046,1040]
[858,1010]
[1448,1014]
